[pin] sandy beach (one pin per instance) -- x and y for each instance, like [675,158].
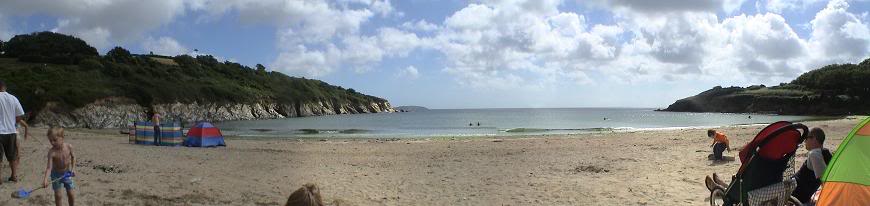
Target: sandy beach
[663,167]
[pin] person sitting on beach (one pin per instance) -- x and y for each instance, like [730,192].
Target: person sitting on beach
[307,195]
[720,143]
[60,162]
[808,177]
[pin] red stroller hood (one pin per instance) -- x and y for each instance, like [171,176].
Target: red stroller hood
[775,141]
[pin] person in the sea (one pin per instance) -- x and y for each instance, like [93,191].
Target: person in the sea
[307,195]
[809,175]
[61,167]
[720,143]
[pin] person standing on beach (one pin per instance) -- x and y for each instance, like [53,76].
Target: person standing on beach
[61,167]
[156,120]
[720,143]
[11,113]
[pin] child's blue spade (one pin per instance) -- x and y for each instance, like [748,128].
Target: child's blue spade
[22,193]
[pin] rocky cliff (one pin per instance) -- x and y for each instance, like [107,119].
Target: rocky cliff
[113,112]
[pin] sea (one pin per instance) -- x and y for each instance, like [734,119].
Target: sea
[490,122]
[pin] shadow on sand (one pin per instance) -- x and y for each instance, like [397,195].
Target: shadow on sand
[724,160]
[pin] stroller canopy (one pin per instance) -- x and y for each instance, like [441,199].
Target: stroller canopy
[847,178]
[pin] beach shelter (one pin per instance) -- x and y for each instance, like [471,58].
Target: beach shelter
[144,133]
[204,134]
[847,178]
[170,134]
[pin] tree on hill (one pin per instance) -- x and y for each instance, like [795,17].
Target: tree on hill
[120,55]
[261,70]
[1,48]
[48,47]
[839,78]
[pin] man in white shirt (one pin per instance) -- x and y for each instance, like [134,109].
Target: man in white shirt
[11,114]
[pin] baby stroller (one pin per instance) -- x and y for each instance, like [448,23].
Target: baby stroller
[764,177]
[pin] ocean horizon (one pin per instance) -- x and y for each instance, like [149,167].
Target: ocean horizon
[490,122]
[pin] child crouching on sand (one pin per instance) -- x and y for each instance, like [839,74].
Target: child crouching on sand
[720,143]
[60,161]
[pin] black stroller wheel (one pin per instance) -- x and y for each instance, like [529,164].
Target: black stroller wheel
[717,197]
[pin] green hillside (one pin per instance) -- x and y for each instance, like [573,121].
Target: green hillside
[49,67]
[838,89]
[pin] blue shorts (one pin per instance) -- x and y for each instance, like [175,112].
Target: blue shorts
[65,182]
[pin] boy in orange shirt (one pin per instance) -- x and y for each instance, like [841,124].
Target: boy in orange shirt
[720,143]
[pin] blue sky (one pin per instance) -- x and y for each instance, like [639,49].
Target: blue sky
[483,54]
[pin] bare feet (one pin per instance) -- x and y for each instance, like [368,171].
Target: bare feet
[709,183]
[719,180]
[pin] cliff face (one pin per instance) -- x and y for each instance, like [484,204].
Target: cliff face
[113,112]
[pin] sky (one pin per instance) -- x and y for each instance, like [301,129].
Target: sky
[486,53]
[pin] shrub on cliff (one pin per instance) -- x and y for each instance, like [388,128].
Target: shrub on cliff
[48,47]
[120,55]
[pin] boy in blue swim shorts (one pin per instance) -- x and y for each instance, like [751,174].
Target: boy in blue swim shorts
[60,162]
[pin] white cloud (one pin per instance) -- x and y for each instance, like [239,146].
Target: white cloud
[767,35]
[99,22]
[503,43]
[5,32]
[663,6]
[475,16]
[383,8]
[523,43]
[315,38]
[302,62]
[398,43]
[361,52]
[839,35]
[779,6]
[421,25]
[409,72]
[732,6]
[164,46]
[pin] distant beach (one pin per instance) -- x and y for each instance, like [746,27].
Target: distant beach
[646,167]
